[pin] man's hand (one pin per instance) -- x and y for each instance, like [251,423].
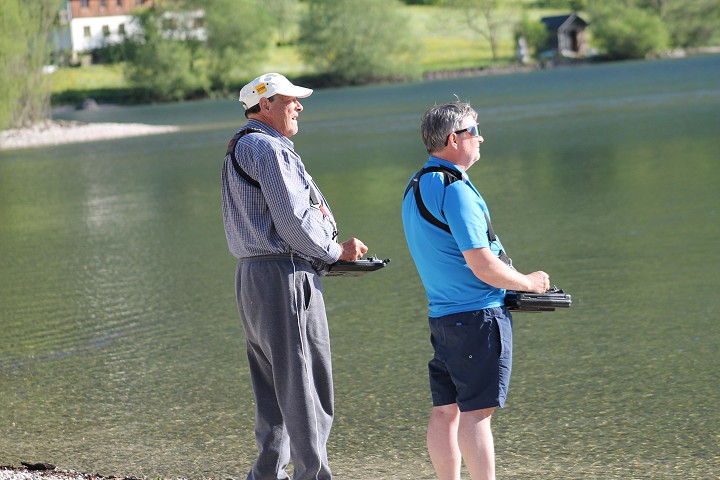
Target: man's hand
[352,250]
[539,282]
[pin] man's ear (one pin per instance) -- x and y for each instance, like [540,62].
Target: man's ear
[264,104]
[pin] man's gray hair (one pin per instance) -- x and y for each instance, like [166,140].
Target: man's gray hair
[442,120]
[256,108]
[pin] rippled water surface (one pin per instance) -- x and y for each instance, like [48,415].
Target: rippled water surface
[121,351]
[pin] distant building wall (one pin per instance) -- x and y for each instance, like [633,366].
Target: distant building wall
[91,24]
[94,23]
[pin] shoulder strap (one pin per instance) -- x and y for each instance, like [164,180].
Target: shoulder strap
[450,176]
[231,152]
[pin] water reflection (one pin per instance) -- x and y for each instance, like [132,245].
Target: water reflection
[121,351]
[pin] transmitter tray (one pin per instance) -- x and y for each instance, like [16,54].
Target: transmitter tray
[537,302]
[356,268]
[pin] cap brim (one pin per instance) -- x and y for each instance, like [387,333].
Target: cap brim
[294,91]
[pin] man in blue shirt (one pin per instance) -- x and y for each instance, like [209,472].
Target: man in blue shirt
[465,273]
[283,233]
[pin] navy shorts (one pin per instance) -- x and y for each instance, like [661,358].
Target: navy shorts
[473,358]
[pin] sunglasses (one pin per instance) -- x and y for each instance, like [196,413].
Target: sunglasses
[473,130]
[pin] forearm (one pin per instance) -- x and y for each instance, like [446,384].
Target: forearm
[310,238]
[493,271]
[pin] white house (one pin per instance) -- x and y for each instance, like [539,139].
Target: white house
[90,24]
[94,23]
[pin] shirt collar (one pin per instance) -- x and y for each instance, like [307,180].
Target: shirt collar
[444,163]
[252,123]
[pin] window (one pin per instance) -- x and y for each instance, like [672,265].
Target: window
[84,3]
[138,2]
[103,3]
[106,31]
[170,23]
[86,32]
[118,3]
[121,29]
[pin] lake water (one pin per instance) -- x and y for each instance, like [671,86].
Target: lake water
[121,351]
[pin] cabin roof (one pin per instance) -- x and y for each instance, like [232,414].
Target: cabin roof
[560,22]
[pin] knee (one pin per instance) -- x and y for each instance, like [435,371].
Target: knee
[479,415]
[446,414]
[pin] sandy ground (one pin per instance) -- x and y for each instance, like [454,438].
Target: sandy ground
[62,132]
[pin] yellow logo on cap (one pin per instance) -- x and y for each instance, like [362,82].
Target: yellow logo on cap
[260,88]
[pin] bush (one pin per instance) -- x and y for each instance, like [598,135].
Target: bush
[535,34]
[167,68]
[693,24]
[111,53]
[358,42]
[237,42]
[627,33]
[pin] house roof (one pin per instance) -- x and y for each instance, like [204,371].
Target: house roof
[563,21]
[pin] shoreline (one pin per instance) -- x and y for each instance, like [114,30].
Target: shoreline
[61,132]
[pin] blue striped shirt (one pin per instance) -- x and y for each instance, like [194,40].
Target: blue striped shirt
[278,217]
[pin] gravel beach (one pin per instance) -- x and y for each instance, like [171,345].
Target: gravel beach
[62,132]
[49,472]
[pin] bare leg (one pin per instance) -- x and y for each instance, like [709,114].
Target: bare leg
[476,443]
[442,441]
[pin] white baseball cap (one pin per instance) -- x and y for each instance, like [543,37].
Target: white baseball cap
[268,85]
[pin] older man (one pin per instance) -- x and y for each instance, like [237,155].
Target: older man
[280,227]
[465,272]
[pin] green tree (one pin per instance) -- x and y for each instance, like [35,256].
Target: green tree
[24,49]
[165,62]
[627,32]
[236,42]
[693,23]
[535,34]
[484,17]
[170,62]
[356,42]
[283,15]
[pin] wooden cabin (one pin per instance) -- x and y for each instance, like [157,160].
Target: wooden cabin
[567,36]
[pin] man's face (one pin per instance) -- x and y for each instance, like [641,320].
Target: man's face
[282,113]
[468,143]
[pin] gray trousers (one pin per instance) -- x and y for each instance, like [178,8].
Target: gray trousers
[281,305]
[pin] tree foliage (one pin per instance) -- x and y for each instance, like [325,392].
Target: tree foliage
[688,23]
[24,49]
[170,62]
[282,14]
[238,40]
[164,64]
[693,23]
[485,17]
[627,32]
[535,33]
[356,42]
